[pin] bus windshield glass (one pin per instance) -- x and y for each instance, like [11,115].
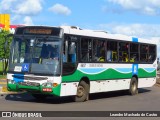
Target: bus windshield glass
[37,55]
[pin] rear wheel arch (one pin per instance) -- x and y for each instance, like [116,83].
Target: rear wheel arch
[85,79]
[82,90]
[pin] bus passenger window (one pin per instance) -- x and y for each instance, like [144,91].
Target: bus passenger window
[99,50]
[109,55]
[72,52]
[112,51]
[114,56]
[125,57]
[124,52]
[134,54]
[144,49]
[133,58]
[102,56]
[152,53]
[86,50]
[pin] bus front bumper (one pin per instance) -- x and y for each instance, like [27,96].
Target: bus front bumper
[34,89]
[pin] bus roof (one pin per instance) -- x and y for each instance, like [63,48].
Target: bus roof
[103,34]
[74,30]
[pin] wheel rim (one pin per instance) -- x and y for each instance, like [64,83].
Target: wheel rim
[134,86]
[80,91]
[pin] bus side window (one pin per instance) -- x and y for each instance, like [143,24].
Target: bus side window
[69,52]
[69,55]
[99,50]
[144,53]
[133,58]
[134,52]
[86,50]
[152,53]
[123,51]
[112,54]
[72,52]
[109,55]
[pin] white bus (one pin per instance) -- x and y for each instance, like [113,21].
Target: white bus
[69,61]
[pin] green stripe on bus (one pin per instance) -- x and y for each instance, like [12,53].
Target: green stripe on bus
[57,90]
[109,74]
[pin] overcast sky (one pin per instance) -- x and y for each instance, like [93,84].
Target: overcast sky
[139,18]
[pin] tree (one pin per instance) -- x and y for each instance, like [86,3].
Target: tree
[4,51]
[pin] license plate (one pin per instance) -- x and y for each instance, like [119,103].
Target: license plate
[47,89]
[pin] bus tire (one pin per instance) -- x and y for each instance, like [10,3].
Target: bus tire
[39,97]
[133,90]
[82,92]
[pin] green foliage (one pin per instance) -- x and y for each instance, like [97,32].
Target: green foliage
[4,51]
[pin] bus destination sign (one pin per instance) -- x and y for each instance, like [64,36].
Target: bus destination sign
[29,30]
[38,31]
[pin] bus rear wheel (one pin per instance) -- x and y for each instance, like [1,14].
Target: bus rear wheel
[82,92]
[133,86]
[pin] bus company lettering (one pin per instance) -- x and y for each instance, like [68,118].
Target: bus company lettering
[95,65]
[83,65]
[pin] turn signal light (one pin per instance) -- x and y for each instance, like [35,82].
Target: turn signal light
[55,84]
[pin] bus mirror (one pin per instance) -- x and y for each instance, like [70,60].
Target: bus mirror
[72,48]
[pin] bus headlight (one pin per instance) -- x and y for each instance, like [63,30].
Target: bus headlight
[47,84]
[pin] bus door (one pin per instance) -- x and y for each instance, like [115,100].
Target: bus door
[69,55]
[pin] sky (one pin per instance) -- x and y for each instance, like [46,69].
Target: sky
[140,18]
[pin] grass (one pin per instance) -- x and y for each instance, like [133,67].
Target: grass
[1,66]
[3,76]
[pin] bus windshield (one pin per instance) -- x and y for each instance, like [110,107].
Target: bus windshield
[37,55]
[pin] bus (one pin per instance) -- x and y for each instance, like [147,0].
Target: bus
[69,61]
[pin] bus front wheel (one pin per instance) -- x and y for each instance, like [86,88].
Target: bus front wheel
[133,86]
[82,92]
